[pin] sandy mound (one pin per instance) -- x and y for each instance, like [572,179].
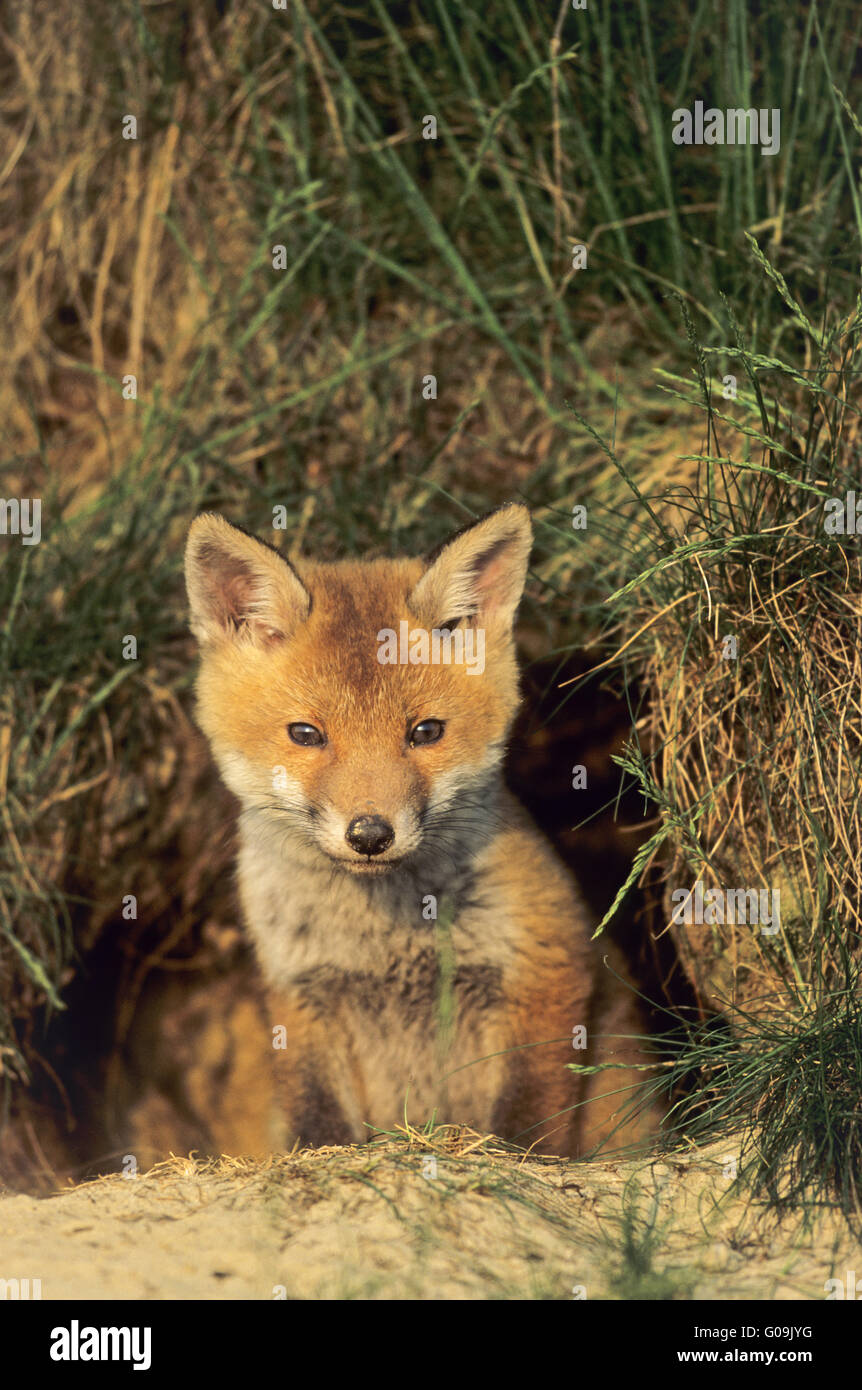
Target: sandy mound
[403,1220]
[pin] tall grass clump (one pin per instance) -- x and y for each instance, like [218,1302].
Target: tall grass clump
[740,622]
[744,626]
[785,1088]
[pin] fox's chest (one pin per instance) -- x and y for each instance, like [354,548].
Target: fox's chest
[416,988]
[387,1009]
[398,947]
[424,1036]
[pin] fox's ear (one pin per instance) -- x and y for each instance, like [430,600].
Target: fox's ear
[237,586]
[480,571]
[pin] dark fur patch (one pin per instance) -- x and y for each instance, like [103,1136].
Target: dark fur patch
[319,1119]
[410,985]
[516,1117]
[514,1109]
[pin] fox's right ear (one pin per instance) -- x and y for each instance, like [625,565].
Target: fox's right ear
[239,587]
[479,572]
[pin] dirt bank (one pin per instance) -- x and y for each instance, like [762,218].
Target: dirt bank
[400,1220]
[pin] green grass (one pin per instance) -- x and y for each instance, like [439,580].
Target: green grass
[786,1087]
[643,1270]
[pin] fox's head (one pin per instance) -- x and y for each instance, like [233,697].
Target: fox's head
[360,709]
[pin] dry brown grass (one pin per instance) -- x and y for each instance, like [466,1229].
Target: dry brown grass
[756,760]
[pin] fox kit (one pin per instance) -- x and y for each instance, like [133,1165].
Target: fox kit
[424,951]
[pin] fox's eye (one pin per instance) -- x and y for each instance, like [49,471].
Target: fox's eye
[306,735]
[429,731]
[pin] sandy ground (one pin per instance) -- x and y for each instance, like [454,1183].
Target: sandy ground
[398,1220]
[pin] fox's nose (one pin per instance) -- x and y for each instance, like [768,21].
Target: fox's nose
[369,834]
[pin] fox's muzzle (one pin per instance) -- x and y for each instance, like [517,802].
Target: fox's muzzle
[369,835]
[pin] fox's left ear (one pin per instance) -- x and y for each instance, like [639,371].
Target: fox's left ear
[478,572]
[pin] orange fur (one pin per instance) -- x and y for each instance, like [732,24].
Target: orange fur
[422,944]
